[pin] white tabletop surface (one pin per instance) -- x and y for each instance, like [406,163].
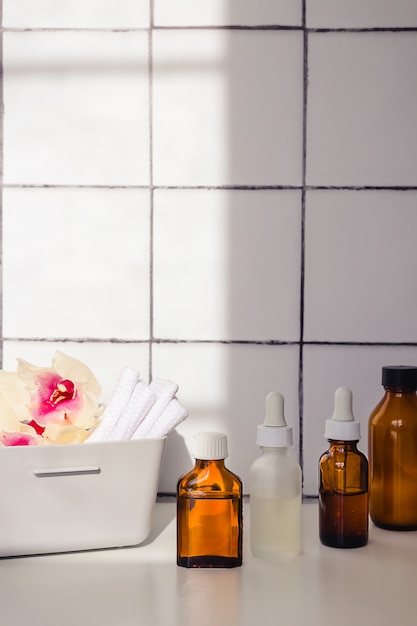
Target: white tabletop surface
[375,585]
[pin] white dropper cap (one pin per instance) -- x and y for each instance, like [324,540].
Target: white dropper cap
[274,432]
[342,426]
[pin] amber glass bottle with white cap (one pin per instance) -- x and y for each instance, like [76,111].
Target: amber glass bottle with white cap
[209,508]
[343,472]
[392,444]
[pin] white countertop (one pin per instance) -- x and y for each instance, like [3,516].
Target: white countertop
[140,586]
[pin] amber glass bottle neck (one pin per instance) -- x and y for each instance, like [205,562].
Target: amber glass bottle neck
[399,392]
[339,443]
[206,462]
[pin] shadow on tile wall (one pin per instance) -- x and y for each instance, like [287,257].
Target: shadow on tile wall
[235,211]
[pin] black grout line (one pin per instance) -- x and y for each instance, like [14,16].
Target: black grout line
[361,188]
[254,342]
[302,247]
[111,340]
[361,343]
[303,188]
[237,342]
[217,187]
[74,29]
[158,340]
[366,29]
[71,186]
[151,195]
[241,27]
[257,27]
[1,180]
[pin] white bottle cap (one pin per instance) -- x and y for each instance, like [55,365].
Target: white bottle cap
[274,432]
[342,426]
[210,446]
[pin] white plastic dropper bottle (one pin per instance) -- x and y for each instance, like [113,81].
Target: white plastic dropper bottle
[275,488]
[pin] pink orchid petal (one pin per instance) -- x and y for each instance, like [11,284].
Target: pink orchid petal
[54,399]
[33,399]
[69,367]
[38,429]
[19,439]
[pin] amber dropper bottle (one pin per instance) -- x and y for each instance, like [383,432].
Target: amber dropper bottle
[209,508]
[392,444]
[343,473]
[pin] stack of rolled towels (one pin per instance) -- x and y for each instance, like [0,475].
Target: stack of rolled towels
[137,410]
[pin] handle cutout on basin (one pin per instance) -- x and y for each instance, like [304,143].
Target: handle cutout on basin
[66,471]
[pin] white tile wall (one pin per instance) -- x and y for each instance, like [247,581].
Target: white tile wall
[76,14]
[361,13]
[76,108]
[360,253]
[220,117]
[220,193]
[104,359]
[361,115]
[325,369]
[83,250]
[244,243]
[227,12]
[224,387]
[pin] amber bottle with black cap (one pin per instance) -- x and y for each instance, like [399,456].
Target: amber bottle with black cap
[392,455]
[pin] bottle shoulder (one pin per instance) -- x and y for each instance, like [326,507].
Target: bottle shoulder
[343,454]
[274,476]
[210,477]
[273,459]
[343,469]
[394,407]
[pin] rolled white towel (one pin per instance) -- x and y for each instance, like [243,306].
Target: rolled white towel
[126,383]
[140,402]
[173,415]
[165,391]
